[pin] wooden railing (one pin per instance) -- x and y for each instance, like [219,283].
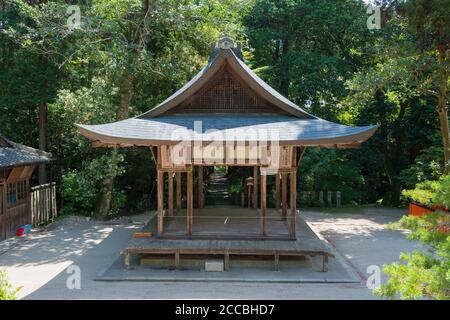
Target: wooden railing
[43,208]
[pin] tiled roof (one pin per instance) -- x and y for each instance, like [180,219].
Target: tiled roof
[294,125]
[230,127]
[13,154]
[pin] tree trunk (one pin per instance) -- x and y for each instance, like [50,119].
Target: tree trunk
[284,76]
[104,200]
[392,151]
[392,194]
[42,140]
[126,93]
[442,110]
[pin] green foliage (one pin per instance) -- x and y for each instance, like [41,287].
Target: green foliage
[236,186]
[423,193]
[422,274]
[387,91]
[92,105]
[431,193]
[81,188]
[427,166]
[429,21]
[7,292]
[78,198]
[308,48]
[330,170]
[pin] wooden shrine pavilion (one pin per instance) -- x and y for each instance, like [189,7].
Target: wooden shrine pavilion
[226,116]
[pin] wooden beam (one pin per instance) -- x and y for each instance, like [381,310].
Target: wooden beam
[277,191]
[255,187]
[201,198]
[160,187]
[354,145]
[170,200]
[284,196]
[178,192]
[263,203]
[190,204]
[293,224]
[101,144]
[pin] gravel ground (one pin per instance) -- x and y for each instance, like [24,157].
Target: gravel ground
[39,264]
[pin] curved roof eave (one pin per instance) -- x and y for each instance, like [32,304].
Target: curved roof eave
[142,136]
[255,82]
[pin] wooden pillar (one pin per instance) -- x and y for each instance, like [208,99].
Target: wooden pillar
[277,261]
[277,191]
[249,196]
[325,263]
[293,217]
[178,184]
[255,187]
[28,196]
[226,261]
[190,203]
[126,260]
[160,186]
[3,202]
[201,197]
[263,203]
[42,141]
[177,260]
[284,196]
[170,200]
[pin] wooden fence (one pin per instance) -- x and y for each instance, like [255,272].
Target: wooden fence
[43,208]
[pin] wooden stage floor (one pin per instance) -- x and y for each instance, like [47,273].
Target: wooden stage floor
[306,245]
[221,222]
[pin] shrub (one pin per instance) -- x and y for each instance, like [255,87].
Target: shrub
[7,292]
[78,195]
[421,274]
[81,188]
[431,192]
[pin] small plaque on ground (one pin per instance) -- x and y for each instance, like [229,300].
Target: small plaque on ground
[214,265]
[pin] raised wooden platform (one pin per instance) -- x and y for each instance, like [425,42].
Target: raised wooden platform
[227,223]
[307,244]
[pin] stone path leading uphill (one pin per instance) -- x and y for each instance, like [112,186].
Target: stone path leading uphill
[217,193]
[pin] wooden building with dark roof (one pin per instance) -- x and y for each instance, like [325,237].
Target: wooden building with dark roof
[17,164]
[225,116]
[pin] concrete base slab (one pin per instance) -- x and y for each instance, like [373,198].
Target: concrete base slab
[339,272]
[214,265]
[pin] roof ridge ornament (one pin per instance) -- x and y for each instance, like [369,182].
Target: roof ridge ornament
[226,42]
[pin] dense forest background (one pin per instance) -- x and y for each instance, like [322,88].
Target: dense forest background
[126,56]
